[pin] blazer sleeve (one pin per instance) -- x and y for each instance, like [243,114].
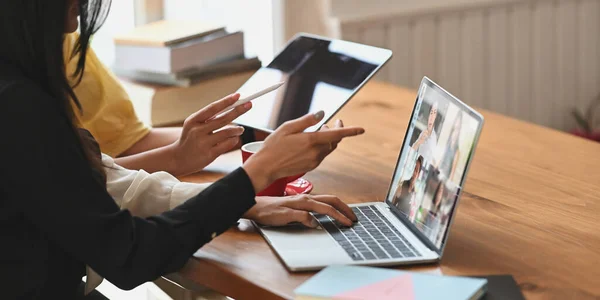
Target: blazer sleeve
[76,212]
[145,194]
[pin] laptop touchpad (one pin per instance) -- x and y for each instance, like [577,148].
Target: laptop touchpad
[297,237]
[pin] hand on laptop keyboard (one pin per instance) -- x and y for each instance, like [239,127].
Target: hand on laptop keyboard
[373,237]
[280,211]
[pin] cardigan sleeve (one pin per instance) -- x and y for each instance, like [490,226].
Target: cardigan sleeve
[48,179]
[145,194]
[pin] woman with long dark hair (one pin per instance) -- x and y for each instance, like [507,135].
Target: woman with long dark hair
[56,215]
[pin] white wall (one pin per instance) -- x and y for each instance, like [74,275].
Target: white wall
[311,16]
[375,9]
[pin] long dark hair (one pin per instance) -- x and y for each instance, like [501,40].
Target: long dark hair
[32,34]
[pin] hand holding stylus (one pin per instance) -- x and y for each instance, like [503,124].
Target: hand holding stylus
[247,99]
[206,135]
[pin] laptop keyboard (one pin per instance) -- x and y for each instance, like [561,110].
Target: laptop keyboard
[372,238]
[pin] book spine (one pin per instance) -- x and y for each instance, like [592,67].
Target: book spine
[207,53]
[152,59]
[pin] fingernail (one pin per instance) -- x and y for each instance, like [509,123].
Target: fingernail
[314,224]
[339,123]
[319,115]
[247,105]
[361,131]
[241,129]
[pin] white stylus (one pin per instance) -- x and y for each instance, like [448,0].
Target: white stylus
[247,99]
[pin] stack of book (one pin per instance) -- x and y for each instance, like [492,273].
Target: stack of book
[173,68]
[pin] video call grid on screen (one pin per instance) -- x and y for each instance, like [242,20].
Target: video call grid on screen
[438,145]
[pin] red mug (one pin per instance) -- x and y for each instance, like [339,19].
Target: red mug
[277,188]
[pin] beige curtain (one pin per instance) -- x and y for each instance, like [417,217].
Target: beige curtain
[147,11]
[311,16]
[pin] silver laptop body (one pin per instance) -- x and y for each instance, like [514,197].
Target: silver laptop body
[411,226]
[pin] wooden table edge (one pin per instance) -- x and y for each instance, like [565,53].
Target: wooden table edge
[204,270]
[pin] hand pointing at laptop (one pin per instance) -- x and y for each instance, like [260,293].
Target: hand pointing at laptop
[286,152]
[289,151]
[303,152]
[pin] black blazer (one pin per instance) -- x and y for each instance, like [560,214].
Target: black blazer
[55,217]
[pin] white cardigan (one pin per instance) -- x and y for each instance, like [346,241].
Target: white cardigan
[143,195]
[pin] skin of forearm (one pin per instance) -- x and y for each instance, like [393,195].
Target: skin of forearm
[156,138]
[156,160]
[153,153]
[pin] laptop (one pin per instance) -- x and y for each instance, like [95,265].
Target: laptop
[413,223]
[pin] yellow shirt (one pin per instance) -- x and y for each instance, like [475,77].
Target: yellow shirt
[107,110]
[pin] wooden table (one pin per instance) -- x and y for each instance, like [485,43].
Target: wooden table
[531,206]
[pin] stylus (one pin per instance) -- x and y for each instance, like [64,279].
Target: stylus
[247,99]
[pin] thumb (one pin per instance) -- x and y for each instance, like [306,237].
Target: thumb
[300,124]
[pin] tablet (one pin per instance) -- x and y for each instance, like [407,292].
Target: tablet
[319,74]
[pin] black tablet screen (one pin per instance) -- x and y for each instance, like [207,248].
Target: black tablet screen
[319,74]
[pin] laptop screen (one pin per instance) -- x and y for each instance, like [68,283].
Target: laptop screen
[441,137]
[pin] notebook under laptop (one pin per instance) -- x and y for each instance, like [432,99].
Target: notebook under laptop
[412,225]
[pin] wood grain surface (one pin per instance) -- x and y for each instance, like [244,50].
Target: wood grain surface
[531,206]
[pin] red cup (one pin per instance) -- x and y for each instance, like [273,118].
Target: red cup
[277,188]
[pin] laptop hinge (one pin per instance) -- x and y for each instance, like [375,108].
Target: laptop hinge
[412,228]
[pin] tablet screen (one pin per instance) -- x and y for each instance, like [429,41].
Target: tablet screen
[319,74]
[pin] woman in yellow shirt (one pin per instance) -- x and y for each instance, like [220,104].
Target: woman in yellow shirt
[109,115]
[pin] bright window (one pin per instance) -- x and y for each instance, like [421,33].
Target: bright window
[254,17]
[120,19]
